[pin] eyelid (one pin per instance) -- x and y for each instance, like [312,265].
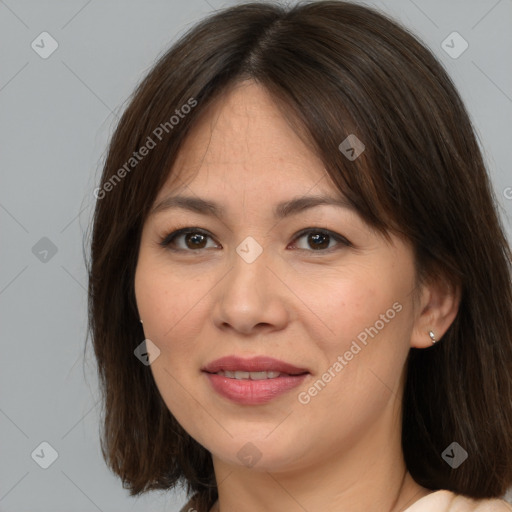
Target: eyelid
[336,236]
[169,238]
[181,231]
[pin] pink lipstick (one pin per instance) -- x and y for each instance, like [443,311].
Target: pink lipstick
[253,381]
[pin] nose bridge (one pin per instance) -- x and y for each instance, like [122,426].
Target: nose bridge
[249,250]
[249,267]
[249,294]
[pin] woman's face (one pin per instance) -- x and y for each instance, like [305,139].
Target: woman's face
[309,300]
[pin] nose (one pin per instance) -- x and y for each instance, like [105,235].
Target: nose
[253,296]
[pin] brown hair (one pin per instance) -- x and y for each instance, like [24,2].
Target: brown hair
[335,68]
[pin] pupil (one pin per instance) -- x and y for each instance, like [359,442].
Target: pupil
[316,237]
[195,237]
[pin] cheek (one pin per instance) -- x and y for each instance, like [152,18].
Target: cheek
[366,320]
[168,317]
[344,304]
[166,301]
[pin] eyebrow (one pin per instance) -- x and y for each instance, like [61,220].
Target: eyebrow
[280,211]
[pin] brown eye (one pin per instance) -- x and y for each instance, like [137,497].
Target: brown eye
[193,239]
[319,240]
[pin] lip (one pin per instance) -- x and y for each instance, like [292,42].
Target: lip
[253,364]
[253,392]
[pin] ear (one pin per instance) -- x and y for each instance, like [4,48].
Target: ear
[436,310]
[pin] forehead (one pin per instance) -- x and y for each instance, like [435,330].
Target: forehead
[243,139]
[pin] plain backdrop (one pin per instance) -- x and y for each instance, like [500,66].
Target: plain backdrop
[57,114]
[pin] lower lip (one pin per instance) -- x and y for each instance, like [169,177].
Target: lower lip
[253,392]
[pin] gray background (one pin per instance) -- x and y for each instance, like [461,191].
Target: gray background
[57,116]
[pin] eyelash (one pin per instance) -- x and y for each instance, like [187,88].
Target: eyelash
[171,237]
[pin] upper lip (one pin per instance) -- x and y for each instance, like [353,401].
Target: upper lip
[253,364]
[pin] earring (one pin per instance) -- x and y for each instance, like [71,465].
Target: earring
[432,337]
[141,321]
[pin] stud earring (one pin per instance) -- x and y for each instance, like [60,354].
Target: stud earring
[141,321]
[432,337]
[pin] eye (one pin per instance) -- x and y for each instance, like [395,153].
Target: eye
[195,239]
[320,239]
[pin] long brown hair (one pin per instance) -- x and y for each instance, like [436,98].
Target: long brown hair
[335,68]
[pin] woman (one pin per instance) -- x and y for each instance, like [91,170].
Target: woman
[300,293]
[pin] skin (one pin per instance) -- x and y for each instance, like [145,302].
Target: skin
[340,451]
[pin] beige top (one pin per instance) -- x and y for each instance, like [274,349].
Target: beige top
[438,501]
[447,501]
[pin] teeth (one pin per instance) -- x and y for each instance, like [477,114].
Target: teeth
[261,375]
[239,375]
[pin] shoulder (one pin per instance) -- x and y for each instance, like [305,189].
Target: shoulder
[192,505]
[447,501]
[189,506]
[463,504]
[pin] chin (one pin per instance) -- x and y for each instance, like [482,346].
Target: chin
[259,451]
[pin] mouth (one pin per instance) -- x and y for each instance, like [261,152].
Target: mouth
[253,381]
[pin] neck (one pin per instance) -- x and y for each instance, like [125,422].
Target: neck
[395,498]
